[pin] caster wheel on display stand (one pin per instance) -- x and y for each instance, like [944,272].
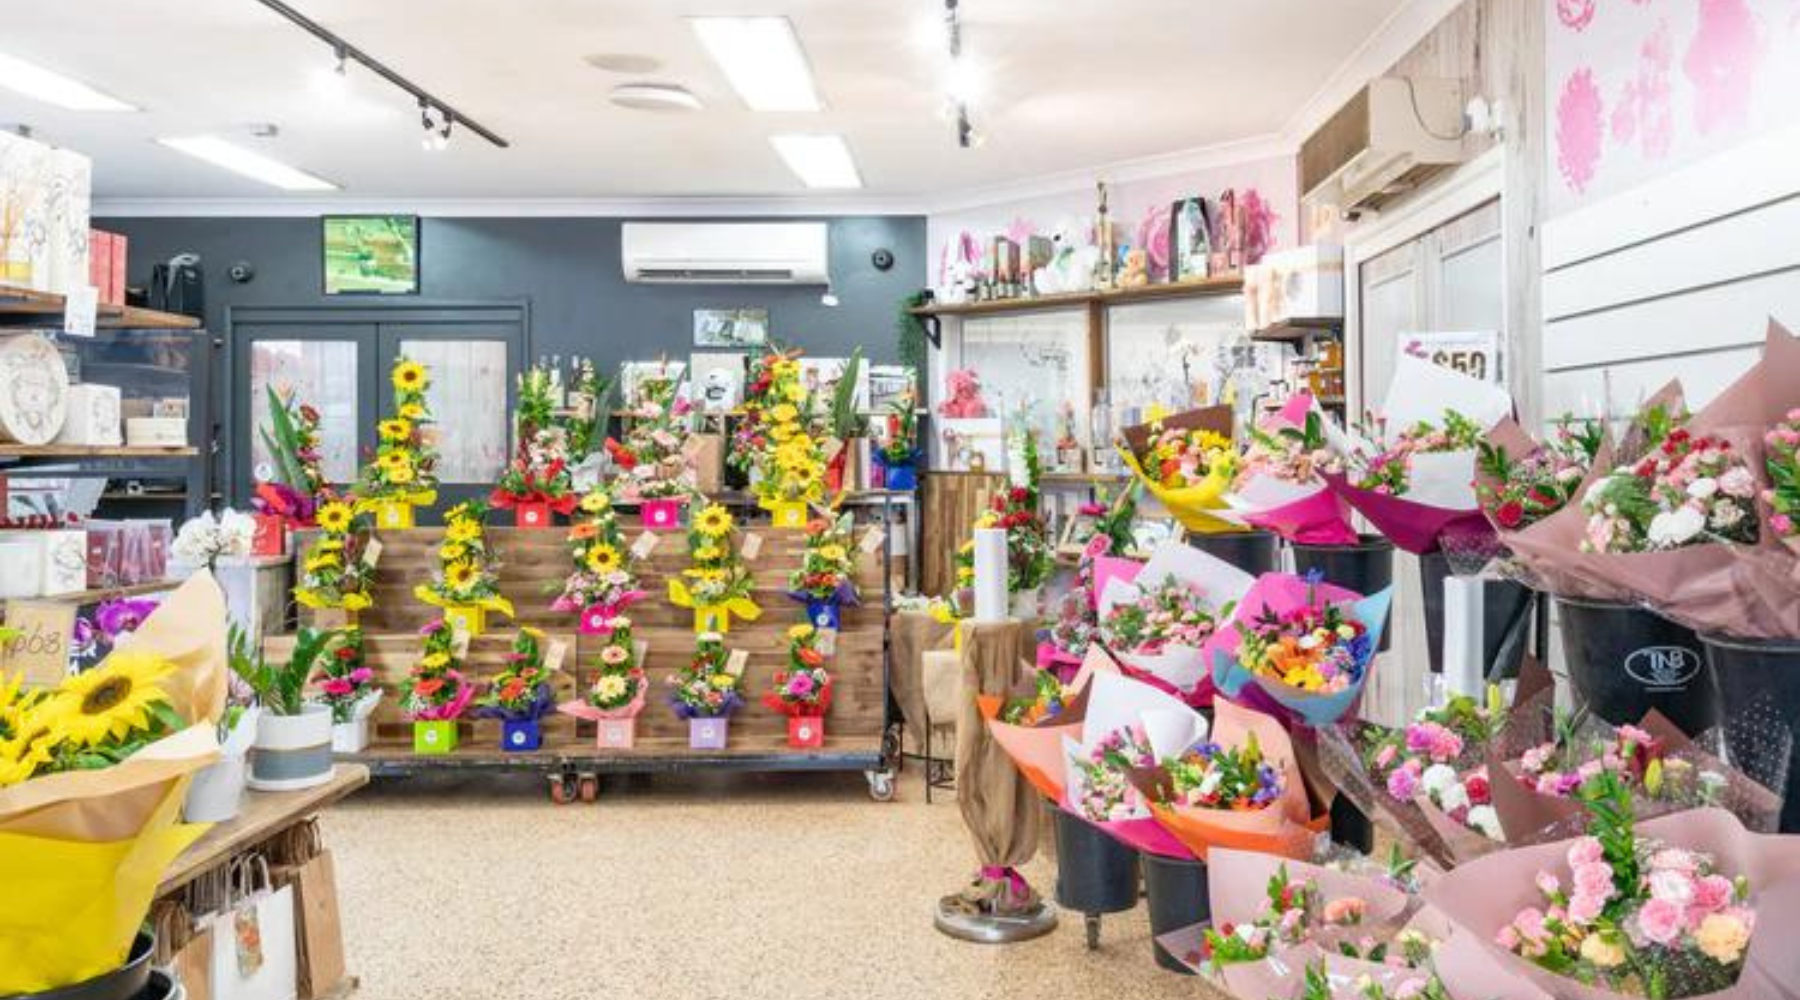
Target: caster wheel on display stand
[562,788]
[881,785]
[590,787]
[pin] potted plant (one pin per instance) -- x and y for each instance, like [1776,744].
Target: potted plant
[347,685]
[603,583]
[824,580]
[437,693]
[803,691]
[293,735]
[466,586]
[404,472]
[337,574]
[520,695]
[706,693]
[616,697]
[899,454]
[717,585]
[289,497]
[656,472]
[217,791]
[536,484]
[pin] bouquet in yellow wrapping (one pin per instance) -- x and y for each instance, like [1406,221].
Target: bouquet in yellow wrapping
[465,571]
[717,585]
[338,571]
[404,470]
[93,773]
[1188,462]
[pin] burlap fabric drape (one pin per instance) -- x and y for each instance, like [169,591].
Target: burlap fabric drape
[999,807]
[912,634]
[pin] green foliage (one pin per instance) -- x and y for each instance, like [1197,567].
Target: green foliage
[909,332]
[280,688]
[1610,820]
[846,423]
[282,439]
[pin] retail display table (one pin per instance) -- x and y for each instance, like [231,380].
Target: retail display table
[264,816]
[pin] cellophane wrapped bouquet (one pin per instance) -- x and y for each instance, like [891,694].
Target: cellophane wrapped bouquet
[465,564]
[539,470]
[604,575]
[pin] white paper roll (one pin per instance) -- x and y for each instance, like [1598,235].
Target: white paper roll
[991,603]
[1464,615]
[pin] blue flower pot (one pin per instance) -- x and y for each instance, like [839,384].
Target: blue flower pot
[519,737]
[901,477]
[824,615]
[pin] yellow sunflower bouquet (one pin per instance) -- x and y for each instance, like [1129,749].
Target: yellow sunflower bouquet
[466,586]
[93,773]
[717,585]
[403,473]
[790,465]
[1188,462]
[337,574]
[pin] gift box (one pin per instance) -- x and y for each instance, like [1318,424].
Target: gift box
[393,515]
[787,515]
[661,514]
[45,563]
[435,737]
[470,618]
[806,731]
[593,620]
[156,432]
[708,734]
[518,736]
[712,618]
[532,515]
[92,416]
[270,536]
[824,615]
[616,734]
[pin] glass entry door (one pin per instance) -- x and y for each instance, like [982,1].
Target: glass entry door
[339,364]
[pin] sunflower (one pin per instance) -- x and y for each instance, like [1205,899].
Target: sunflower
[120,696]
[781,432]
[603,559]
[462,531]
[357,601]
[323,560]
[595,502]
[394,458]
[396,429]
[400,475]
[409,376]
[413,411]
[459,575]
[832,553]
[802,631]
[713,520]
[329,545]
[451,551]
[706,553]
[21,756]
[335,516]
[16,700]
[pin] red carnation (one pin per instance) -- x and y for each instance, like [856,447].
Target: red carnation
[1477,787]
[1510,514]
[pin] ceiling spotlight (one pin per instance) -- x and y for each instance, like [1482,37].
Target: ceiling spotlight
[333,80]
[967,136]
[436,137]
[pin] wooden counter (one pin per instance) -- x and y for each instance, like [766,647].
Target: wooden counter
[264,815]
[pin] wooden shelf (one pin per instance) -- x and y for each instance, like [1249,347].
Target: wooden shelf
[264,815]
[92,451]
[1229,284]
[16,301]
[99,594]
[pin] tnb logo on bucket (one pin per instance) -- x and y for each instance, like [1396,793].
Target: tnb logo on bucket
[1663,667]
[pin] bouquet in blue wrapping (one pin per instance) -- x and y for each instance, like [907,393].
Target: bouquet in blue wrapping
[1299,648]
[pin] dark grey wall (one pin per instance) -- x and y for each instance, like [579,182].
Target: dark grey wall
[567,269]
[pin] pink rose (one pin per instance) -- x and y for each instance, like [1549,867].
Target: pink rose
[1585,851]
[1548,884]
[1660,921]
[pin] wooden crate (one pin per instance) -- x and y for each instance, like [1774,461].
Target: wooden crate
[532,564]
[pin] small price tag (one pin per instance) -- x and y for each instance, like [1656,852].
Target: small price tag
[372,553]
[459,643]
[751,547]
[81,311]
[736,662]
[645,544]
[40,651]
[872,539]
[553,657]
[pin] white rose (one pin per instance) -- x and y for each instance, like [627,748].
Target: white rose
[1702,488]
[1453,798]
[1675,527]
[1485,819]
[1436,778]
[1674,887]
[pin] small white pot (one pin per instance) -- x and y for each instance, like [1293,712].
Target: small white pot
[292,751]
[350,737]
[217,791]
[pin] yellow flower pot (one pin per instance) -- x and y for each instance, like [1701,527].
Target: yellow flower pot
[393,515]
[470,618]
[712,618]
[787,514]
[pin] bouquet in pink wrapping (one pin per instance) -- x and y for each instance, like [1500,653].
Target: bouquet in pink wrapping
[619,685]
[1161,621]
[1533,490]
[1280,485]
[1414,478]
[1030,728]
[1688,905]
[1129,726]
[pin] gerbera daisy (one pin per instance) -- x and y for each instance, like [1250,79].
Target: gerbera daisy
[334,516]
[595,502]
[112,700]
[409,376]
[462,531]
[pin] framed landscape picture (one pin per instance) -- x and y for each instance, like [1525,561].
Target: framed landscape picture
[731,327]
[371,254]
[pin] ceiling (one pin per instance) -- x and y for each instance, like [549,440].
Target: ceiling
[1094,83]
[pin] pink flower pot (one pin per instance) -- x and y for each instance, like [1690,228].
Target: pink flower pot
[661,514]
[616,734]
[593,620]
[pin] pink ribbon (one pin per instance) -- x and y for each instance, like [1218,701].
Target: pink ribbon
[1008,874]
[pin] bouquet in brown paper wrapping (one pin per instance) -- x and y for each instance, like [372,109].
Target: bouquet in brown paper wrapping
[1532,490]
[1686,905]
[92,779]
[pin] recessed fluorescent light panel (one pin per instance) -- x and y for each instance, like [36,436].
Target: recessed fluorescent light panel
[820,161]
[762,59]
[250,163]
[37,82]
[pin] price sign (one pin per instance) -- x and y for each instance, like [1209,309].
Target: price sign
[1473,353]
[39,643]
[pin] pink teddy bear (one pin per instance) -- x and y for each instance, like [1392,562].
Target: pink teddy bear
[965,395]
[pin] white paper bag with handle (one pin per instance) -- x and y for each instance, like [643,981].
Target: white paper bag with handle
[253,956]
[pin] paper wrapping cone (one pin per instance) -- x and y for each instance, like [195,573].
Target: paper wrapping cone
[1412,526]
[1470,972]
[1543,548]
[1001,811]
[1318,517]
[187,629]
[1483,896]
[1280,593]
[1037,750]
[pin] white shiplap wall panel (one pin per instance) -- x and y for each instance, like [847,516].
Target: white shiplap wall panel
[1729,315]
[1625,384]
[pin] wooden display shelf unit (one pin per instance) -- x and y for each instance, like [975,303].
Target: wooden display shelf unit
[10,450]
[16,301]
[532,563]
[1225,284]
[264,816]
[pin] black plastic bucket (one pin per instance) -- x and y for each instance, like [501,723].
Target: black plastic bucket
[1254,552]
[1366,567]
[162,986]
[1175,892]
[1625,660]
[1506,618]
[1094,872]
[1350,827]
[126,982]
[1759,682]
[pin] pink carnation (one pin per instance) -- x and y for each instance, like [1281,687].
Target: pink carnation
[1585,851]
[1595,878]
[1660,921]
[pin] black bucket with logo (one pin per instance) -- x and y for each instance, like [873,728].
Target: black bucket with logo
[1625,661]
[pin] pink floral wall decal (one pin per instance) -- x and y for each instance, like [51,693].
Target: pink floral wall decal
[1575,14]
[1722,62]
[1021,230]
[1645,111]
[1578,129]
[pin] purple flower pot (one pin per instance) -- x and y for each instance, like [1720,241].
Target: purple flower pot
[824,615]
[708,733]
[521,736]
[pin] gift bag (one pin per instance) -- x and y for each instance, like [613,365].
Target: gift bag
[254,955]
[184,949]
[303,864]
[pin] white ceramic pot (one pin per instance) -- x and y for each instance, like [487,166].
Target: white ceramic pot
[292,751]
[217,791]
[350,737]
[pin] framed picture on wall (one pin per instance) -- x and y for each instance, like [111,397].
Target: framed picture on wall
[370,254]
[645,384]
[887,383]
[717,381]
[731,327]
[822,375]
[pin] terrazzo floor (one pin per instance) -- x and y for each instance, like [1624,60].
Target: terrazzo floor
[796,887]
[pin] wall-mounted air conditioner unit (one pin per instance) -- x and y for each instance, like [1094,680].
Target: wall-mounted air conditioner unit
[731,253]
[1394,135]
